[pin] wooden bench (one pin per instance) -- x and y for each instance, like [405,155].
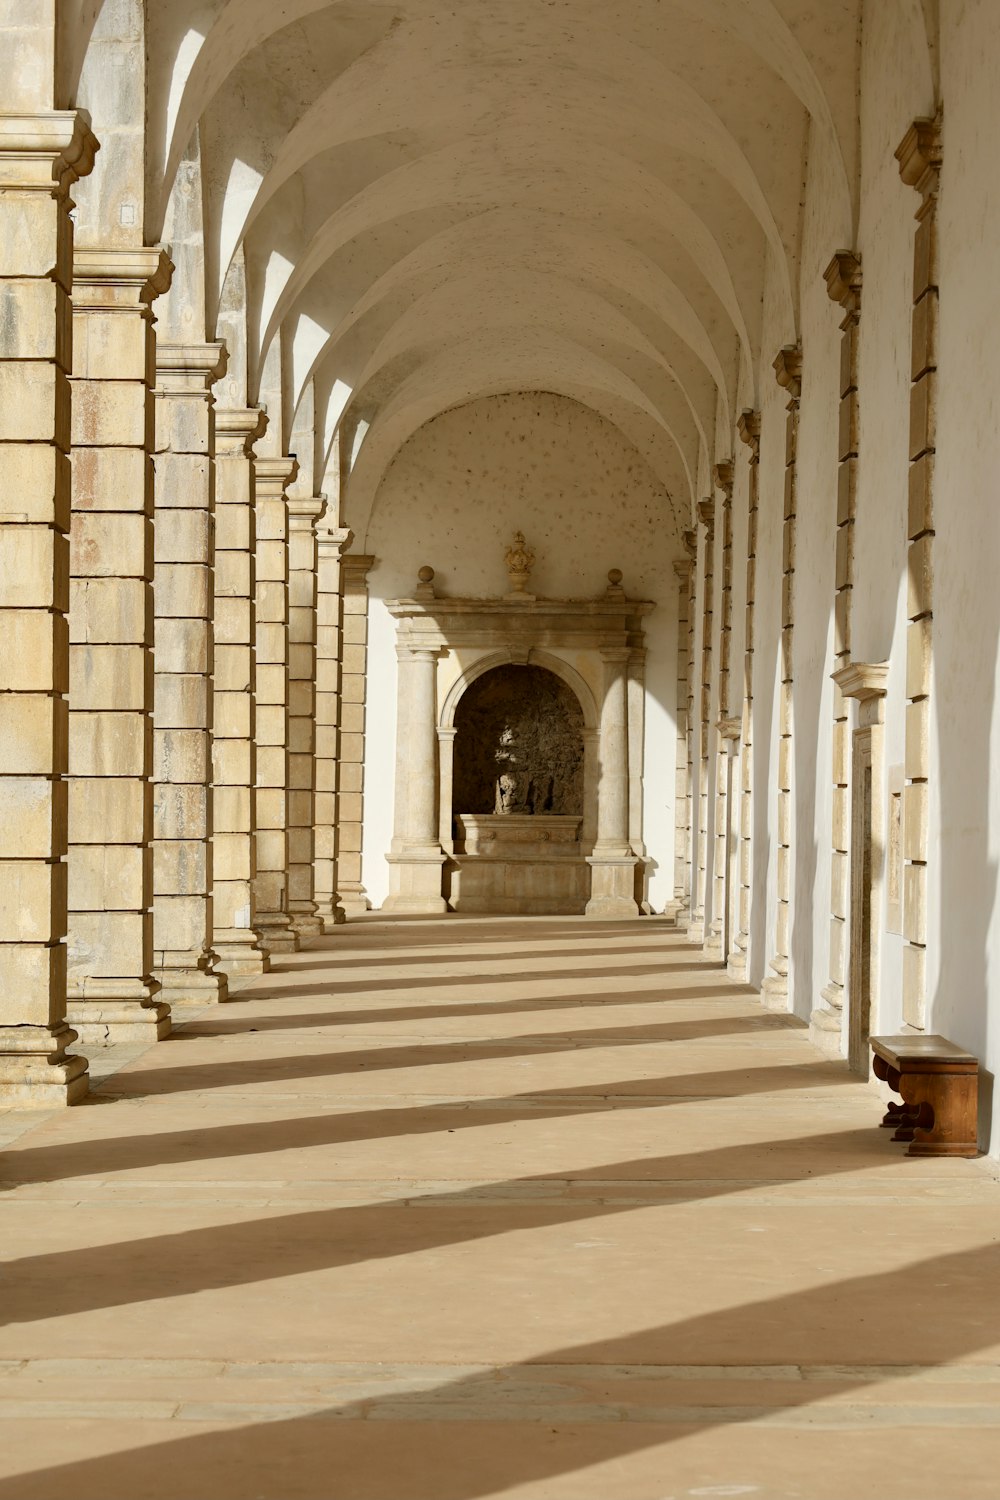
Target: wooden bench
[939,1086]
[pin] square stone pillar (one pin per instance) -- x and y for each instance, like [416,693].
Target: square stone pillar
[354,571]
[331,544]
[748,428]
[706,515]
[677,906]
[236,940]
[303,557]
[271,795]
[41,156]
[112,991]
[184,553]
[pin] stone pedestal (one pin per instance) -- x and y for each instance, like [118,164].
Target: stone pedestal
[303,514]
[271,880]
[612,892]
[235,938]
[112,994]
[41,156]
[184,551]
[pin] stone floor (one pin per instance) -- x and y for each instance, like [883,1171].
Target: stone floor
[446,1210]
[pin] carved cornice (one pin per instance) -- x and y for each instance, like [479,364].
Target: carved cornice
[193,368]
[843,281]
[863,680]
[357,564]
[277,473]
[690,540]
[919,154]
[306,509]
[730,729]
[682,567]
[788,370]
[241,426]
[722,474]
[748,428]
[706,514]
[335,541]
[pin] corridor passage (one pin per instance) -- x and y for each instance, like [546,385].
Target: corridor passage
[532,1208]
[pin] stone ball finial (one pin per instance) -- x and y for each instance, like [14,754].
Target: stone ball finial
[426,574]
[615,577]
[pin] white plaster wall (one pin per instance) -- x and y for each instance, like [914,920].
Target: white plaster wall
[963,920]
[586,501]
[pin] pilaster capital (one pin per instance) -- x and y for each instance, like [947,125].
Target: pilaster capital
[788,370]
[920,154]
[690,540]
[706,514]
[863,680]
[843,279]
[417,651]
[305,511]
[334,543]
[682,567]
[275,474]
[238,428]
[722,476]
[356,566]
[190,368]
[748,428]
[616,655]
[113,279]
[730,729]
[46,150]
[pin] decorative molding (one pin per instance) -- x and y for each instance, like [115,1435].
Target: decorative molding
[722,474]
[788,370]
[748,428]
[843,277]
[863,680]
[920,154]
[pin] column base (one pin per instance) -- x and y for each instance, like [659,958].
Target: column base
[696,931]
[35,1072]
[238,952]
[354,903]
[415,883]
[193,986]
[826,1026]
[277,935]
[774,990]
[738,966]
[331,914]
[713,943]
[107,1014]
[612,887]
[307,926]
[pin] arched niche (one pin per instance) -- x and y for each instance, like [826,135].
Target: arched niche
[519,744]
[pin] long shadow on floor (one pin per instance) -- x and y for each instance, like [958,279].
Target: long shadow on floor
[390,1447]
[564,971]
[341,954]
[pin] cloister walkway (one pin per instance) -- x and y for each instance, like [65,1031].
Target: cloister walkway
[441,1210]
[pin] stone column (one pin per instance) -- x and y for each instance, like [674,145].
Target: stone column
[612,863]
[271,880]
[919,156]
[354,569]
[111,988]
[417,860]
[682,787]
[41,156]
[706,515]
[303,561]
[636,718]
[184,551]
[723,476]
[788,369]
[330,546]
[748,428]
[843,282]
[236,939]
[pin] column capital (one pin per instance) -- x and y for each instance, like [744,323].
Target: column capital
[748,428]
[275,474]
[843,279]
[920,154]
[722,477]
[109,278]
[305,511]
[357,565]
[690,540]
[417,651]
[334,543]
[863,680]
[190,367]
[706,514]
[682,567]
[616,654]
[238,428]
[37,151]
[788,370]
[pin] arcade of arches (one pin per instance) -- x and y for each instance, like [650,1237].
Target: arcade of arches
[588,413]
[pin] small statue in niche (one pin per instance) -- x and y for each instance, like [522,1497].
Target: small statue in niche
[520,560]
[514,792]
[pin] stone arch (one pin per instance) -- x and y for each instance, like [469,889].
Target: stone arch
[512,657]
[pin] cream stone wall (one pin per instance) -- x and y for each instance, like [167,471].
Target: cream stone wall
[586,501]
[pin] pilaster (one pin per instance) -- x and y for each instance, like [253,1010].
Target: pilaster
[183,661]
[416,861]
[612,864]
[788,371]
[714,942]
[748,428]
[236,939]
[303,515]
[354,569]
[331,544]
[112,993]
[706,515]
[843,281]
[271,796]
[678,907]
[41,156]
[920,157]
